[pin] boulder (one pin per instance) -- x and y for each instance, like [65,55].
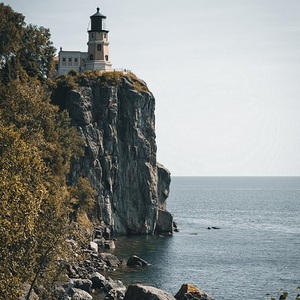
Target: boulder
[110,259]
[142,292]
[60,293]
[100,241]
[163,187]
[78,294]
[164,222]
[135,261]
[116,285]
[94,247]
[83,284]
[98,281]
[114,295]
[110,244]
[189,291]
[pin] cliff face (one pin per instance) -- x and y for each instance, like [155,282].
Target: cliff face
[117,124]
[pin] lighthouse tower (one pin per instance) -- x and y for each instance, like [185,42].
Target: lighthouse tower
[98,51]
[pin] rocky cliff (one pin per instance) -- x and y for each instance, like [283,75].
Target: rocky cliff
[114,113]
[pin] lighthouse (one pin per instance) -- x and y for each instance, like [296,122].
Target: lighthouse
[97,57]
[98,44]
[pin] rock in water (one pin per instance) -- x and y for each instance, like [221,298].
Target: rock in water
[142,292]
[135,261]
[189,291]
[117,124]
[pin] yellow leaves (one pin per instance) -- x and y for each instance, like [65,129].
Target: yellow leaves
[36,145]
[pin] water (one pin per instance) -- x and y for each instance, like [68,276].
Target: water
[254,254]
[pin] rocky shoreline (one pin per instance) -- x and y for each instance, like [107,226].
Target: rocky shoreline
[87,281]
[87,276]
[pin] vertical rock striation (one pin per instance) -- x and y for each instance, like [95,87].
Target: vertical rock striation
[117,123]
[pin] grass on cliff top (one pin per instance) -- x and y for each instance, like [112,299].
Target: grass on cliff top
[73,80]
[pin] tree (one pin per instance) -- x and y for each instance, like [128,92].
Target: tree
[36,54]
[23,48]
[21,192]
[11,32]
[37,144]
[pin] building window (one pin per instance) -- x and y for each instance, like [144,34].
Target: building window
[64,61]
[75,61]
[92,35]
[91,57]
[70,61]
[99,47]
[106,57]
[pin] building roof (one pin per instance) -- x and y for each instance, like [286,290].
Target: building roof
[98,14]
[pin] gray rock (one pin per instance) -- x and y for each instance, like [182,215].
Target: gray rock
[189,291]
[109,244]
[135,261]
[164,222]
[83,284]
[163,187]
[78,294]
[114,295]
[116,285]
[98,280]
[141,292]
[117,125]
[110,259]
[60,293]
[94,247]
[100,242]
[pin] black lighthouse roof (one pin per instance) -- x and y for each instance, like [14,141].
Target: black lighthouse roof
[98,22]
[98,14]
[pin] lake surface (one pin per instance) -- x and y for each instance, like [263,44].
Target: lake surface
[254,254]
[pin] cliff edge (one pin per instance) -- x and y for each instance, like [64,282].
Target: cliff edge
[114,113]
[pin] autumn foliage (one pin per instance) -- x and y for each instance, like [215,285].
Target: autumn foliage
[37,143]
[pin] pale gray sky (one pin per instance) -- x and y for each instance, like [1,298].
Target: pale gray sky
[225,75]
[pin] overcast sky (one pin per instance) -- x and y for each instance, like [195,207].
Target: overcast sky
[225,75]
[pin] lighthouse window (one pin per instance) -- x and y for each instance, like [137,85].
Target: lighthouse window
[106,57]
[99,47]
